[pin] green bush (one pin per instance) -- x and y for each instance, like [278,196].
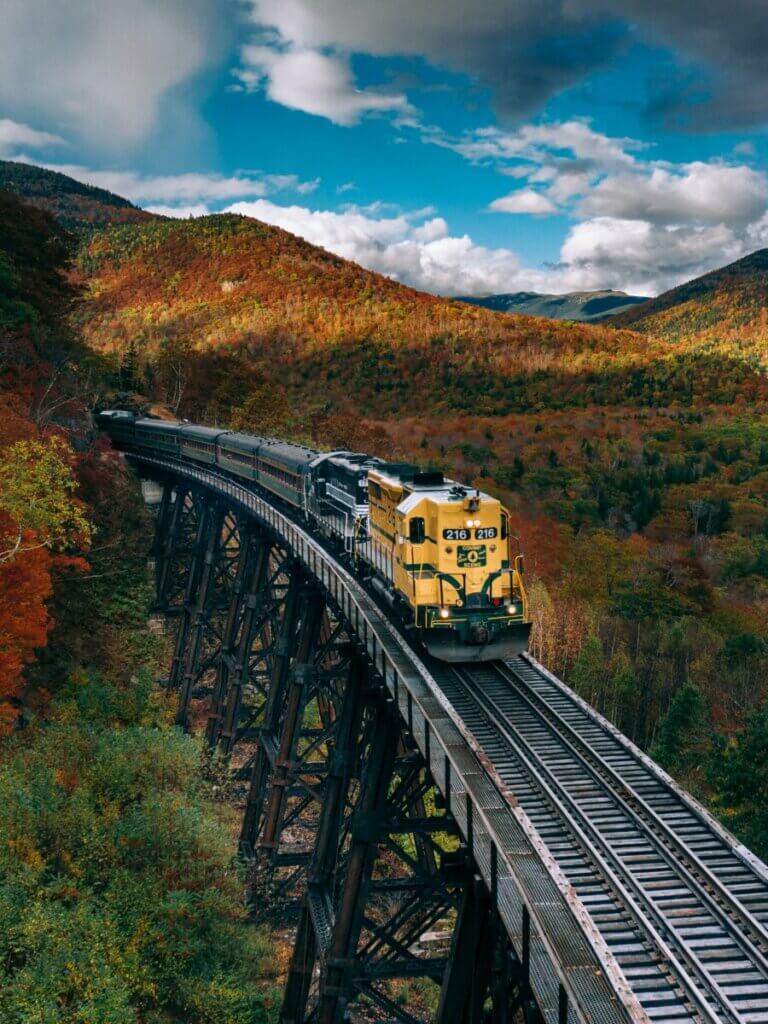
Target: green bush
[119,901]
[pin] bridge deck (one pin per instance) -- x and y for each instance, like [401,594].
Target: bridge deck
[680,906]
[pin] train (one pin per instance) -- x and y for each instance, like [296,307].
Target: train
[436,551]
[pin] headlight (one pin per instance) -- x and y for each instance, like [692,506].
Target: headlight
[513,609]
[444,613]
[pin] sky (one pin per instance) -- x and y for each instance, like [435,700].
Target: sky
[463,148]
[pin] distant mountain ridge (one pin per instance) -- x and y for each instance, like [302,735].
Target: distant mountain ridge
[731,299]
[583,306]
[76,206]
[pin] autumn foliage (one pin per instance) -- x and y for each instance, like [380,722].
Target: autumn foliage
[44,527]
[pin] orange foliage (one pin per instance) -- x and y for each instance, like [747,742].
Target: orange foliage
[543,541]
[25,587]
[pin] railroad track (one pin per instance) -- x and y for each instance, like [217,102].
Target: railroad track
[685,916]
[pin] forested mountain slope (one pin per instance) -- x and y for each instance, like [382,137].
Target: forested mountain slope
[231,288]
[723,307]
[76,206]
[101,799]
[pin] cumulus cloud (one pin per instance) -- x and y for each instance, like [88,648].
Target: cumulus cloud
[525,200]
[530,50]
[186,189]
[14,135]
[645,224]
[101,71]
[698,193]
[314,82]
[643,258]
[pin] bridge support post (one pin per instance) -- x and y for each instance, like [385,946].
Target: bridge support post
[398,877]
[300,679]
[190,598]
[238,638]
[266,748]
[467,977]
[315,910]
[169,528]
[335,987]
[192,625]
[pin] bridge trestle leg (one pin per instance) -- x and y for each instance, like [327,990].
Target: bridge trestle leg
[385,872]
[196,608]
[190,599]
[315,915]
[238,638]
[263,759]
[175,530]
[467,977]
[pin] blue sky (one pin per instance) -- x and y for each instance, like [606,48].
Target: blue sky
[502,145]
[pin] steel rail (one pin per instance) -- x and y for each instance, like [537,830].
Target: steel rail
[646,916]
[638,807]
[568,954]
[652,771]
[724,910]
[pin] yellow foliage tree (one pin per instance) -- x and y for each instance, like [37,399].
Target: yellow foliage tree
[37,488]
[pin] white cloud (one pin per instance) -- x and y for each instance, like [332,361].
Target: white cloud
[186,188]
[695,193]
[314,82]
[430,230]
[525,200]
[14,135]
[101,70]
[641,257]
[643,224]
[540,143]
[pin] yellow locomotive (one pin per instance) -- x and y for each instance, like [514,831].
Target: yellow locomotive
[441,552]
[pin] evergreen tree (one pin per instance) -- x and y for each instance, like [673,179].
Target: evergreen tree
[683,735]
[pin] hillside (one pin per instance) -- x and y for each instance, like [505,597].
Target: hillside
[724,305]
[584,306]
[228,287]
[76,206]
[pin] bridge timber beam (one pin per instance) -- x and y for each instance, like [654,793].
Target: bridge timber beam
[368,802]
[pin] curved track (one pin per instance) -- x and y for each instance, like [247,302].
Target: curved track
[682,911]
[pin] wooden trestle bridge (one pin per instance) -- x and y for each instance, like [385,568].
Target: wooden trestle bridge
[390,799]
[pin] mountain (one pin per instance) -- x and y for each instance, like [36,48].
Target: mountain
[729,303]
[76,206]
[230,287]
[584,306]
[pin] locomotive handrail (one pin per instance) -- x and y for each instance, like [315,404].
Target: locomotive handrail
[521,874]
